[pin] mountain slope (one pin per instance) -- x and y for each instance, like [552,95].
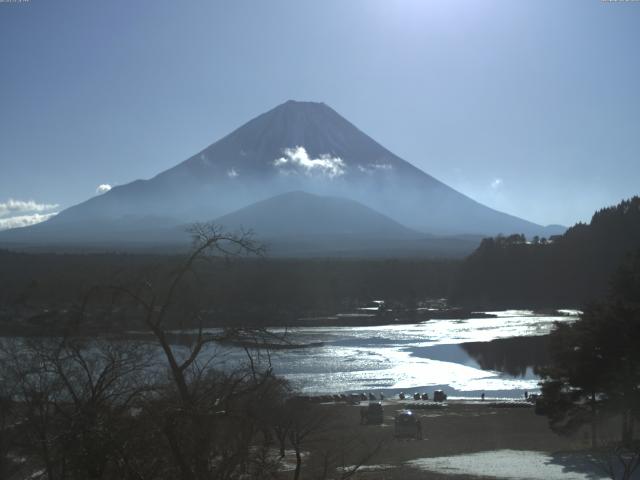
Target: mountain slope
[304,214]
[296,146]
[299,224]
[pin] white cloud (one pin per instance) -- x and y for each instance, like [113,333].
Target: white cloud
[22,213]
[24,220]
[103,188]
[381,166]
[297,160]
[375,167]
[232,173]
[12,206]
[496,183]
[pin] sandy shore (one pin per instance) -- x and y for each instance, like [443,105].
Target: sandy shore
[462,440]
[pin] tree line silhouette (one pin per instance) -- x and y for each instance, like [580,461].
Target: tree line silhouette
[565,270]
[593,377]
[504,272]
[39,289]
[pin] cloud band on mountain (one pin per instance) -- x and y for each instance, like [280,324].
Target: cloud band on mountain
[24,220]
[22,213]
[297,160]
[12,206]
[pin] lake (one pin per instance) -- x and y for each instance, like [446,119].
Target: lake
[463,357]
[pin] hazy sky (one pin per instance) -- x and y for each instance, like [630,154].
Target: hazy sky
[531,107]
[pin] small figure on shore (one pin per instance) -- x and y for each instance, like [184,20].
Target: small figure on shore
[419,430]
[482,397]
[526,395]
[401,396]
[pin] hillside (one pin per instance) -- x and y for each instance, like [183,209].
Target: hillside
[569,270]
[301,213]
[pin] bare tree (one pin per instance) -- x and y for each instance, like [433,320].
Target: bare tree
[334,457]
[164,405]
[303,421]
[207,416]
[307,425]
[618,460]
[7,419]
[73,396]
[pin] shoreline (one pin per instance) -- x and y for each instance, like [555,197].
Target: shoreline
[462,440]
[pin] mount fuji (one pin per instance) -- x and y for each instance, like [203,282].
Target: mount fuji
[295,147]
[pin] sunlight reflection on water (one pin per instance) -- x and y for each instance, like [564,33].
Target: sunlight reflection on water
[402,357]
